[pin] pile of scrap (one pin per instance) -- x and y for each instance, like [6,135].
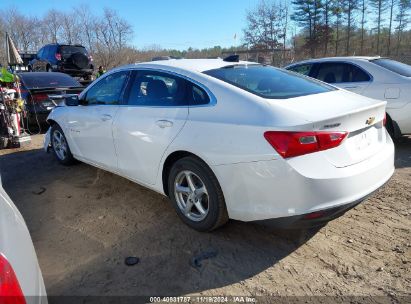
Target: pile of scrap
[12,132]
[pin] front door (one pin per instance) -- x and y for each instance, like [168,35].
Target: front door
[90,124]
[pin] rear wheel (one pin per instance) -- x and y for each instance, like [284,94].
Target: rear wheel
[60,146]
[196,194]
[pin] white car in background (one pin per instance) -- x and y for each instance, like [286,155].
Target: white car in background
[374,77]
[229,139]
[21,281]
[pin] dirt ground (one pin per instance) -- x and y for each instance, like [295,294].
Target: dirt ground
[84,222]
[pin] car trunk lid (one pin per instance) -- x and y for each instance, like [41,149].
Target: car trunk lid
[338,111]
[50,98]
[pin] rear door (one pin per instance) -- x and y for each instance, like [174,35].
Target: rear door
[90,124]
[155,112]
[344,75]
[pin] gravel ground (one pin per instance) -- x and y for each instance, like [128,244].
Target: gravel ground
[84,222]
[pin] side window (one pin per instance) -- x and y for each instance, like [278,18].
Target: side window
[157,89]
[302,69]
[356,74]
[107,91]
[332,72]
[196,95]
[337,72]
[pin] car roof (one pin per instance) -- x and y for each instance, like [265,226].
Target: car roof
[194,65]
[342,58]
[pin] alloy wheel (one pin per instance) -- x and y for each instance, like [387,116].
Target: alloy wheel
[191,195]
[59,145]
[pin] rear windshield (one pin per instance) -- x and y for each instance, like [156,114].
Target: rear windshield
[48,80]
[68,50]
[394,66]
[269,82]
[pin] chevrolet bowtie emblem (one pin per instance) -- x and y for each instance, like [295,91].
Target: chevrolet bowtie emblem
[370,120]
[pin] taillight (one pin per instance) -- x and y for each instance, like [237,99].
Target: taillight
[384,121]
[289,144]
[40,97]
[10,290]
[58,56]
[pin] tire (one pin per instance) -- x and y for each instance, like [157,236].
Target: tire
[79,60]
[48,69]
[390,128]
[207,195]
[63,155]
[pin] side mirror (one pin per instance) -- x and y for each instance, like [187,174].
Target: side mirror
[72,101]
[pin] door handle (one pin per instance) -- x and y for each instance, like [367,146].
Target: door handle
[106,117]
[164,123]
[351,87]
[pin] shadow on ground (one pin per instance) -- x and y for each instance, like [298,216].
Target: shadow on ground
[84,222]
[403,152]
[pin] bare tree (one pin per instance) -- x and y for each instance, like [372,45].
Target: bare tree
[70,28]
[52,20]
[266,25]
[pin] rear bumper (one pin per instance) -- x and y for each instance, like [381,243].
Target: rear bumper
[73,72]
[281,188]
[309,220]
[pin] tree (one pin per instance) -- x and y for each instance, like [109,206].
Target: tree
[307,14]
[349,7]
[265,25]
[52,20]
[402,19]
[390,27]
[337,12]
[363,22]
[328,7]
[379,6]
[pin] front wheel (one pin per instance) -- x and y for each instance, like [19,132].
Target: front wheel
[60,146]
[196,194]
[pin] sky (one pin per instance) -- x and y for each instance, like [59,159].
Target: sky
[172,24]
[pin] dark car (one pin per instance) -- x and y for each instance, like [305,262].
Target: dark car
[69,59]
[42,91]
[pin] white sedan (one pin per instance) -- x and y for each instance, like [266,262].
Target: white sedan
[374,77]
[229,139]
[21,281]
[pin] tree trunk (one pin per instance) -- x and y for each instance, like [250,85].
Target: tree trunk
[379,26]
[389,29]
[362,27]
[337,35]
[347,49]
